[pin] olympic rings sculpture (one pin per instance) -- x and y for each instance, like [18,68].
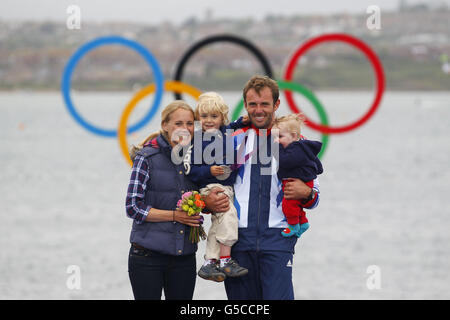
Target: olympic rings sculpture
[220,38]
[68,70]
[174,86]
[178,87]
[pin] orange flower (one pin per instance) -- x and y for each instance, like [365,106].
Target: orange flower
[199,203]
[197,197]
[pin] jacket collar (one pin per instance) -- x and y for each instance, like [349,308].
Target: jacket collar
[268,131]
[163,144]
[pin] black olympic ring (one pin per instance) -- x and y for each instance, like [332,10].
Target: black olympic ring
[221,38]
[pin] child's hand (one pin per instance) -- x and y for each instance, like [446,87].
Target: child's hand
[217,171]
[245,119]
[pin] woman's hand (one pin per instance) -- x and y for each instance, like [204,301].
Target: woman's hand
[295,189]
[184,218]
[217,201]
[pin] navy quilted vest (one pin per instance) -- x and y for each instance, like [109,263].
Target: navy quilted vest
[166,185]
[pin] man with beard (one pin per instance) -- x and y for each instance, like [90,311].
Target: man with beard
[261,249]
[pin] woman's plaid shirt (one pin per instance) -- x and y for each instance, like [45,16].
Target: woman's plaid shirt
[135,202]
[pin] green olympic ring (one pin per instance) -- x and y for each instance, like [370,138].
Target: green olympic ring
[293,86]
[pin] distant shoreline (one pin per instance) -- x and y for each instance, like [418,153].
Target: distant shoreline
[33,56]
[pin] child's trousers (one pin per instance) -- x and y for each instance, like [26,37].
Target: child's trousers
[293,210]
[224,225]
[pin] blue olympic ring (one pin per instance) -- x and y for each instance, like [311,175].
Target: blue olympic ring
[149,58]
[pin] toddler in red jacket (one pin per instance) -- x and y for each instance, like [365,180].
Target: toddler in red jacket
[297,159]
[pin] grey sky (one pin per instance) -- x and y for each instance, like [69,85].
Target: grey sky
[155,11]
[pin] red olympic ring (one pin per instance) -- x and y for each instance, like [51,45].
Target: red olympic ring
[375,61]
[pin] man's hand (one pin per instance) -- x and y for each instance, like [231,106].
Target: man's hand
[295,189]
[217,201]
[216,170]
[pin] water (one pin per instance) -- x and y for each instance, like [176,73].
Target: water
[384,200]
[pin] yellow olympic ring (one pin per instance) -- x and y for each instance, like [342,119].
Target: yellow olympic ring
[175,86]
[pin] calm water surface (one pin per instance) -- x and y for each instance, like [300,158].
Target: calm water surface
[384,199]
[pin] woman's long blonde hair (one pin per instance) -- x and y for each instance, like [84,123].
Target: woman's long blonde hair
[165,117]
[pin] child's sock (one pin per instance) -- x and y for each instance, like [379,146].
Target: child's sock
[303,228]
[209,261]
[224,260]
[291,230]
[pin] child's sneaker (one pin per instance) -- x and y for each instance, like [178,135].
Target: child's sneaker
[232,269]
[211,272]
[291,230]
[303,228]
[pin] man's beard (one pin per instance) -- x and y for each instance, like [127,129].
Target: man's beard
[264,125]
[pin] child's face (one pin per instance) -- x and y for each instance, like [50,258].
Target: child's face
[210,120]
[285,136]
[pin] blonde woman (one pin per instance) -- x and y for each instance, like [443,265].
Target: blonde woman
[161,255]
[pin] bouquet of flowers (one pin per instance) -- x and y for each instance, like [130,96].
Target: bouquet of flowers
[192,203]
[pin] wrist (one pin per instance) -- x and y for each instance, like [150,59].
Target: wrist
[206,200]
[205,208]
[311,196]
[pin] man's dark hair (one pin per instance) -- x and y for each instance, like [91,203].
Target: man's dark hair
[258,83]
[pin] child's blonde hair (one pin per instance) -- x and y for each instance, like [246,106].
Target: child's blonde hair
[212,102]
[165,117]
[293,122]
